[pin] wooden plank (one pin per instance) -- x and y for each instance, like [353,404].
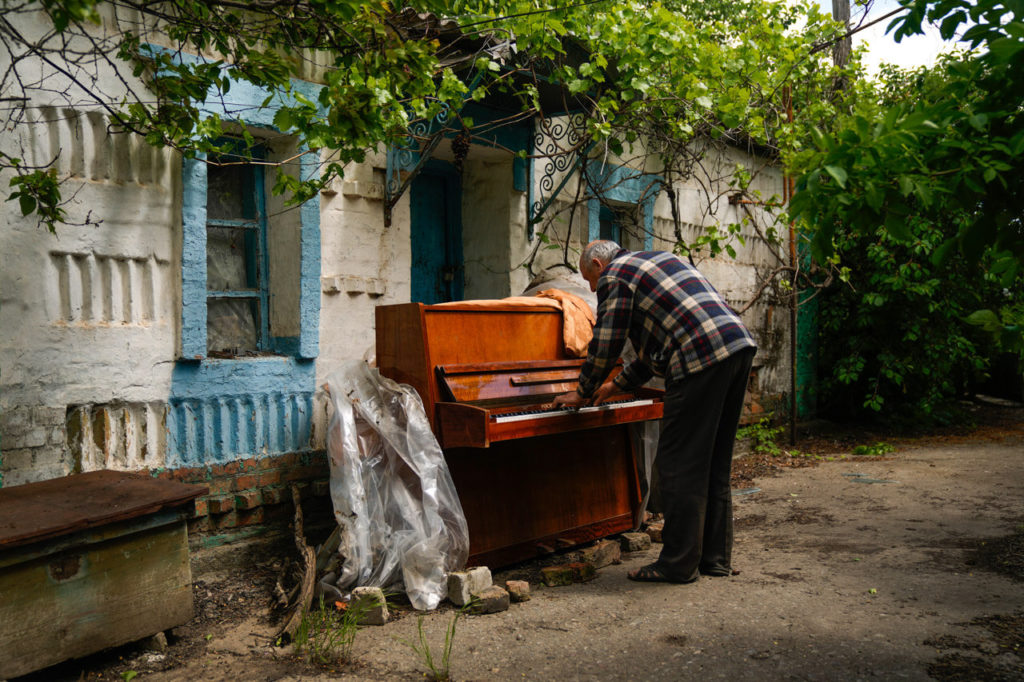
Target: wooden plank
[76,602]
[38,511]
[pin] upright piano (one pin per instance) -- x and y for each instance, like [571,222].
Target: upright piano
[531,479]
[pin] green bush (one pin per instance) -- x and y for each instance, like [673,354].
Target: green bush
[896,341]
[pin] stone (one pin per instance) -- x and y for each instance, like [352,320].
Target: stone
[556,576]
[490,600]
[462,585]
[567,574]
[654,530]
[635,542]
[157,642]
[603,553]
[518,590]
[371,604]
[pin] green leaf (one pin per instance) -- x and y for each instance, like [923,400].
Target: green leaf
[27,202]
[898,226]
[838,173]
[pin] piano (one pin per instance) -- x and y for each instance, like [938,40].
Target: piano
[531,478]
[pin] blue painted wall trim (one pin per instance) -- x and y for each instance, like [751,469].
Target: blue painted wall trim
[624,185]
[309,269]
[222,410]
[243,95]
[193,259]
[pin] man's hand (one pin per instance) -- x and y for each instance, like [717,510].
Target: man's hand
[576,401]
[605,391]
[571,399]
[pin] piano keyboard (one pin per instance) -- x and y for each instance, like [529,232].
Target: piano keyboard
[557,412]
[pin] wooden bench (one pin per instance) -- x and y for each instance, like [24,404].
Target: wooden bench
[90,561]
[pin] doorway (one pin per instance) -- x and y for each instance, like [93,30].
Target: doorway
[435,199]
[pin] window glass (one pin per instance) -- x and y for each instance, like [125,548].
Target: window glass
[236,282]
[230,256]
[231,326]
[228,190]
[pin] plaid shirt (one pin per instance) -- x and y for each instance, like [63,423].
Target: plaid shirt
[675,319]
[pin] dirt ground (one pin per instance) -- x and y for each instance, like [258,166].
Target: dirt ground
[902,565]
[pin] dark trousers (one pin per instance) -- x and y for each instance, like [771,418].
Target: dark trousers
[694,462]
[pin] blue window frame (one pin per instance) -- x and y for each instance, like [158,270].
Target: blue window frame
[628,188]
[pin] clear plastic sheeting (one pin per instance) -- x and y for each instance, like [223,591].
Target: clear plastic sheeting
[400,517]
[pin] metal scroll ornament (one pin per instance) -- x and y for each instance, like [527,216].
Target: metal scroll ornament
[404,162]
[562,143]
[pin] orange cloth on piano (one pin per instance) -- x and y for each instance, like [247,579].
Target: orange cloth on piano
[577,321]
[577,317]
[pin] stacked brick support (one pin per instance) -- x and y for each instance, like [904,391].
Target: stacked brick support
[252,496]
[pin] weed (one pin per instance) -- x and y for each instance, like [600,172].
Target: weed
[874,450]
[326,633]
[763,435]
[128,675]
[438,671]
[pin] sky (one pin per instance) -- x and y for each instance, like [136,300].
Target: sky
[918,50]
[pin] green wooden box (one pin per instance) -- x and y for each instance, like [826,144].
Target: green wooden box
[88,562]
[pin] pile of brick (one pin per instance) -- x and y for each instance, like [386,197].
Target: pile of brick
[474,591]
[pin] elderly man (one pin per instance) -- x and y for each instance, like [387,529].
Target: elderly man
[682,329]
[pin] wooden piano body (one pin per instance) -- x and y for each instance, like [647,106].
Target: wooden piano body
[529,482]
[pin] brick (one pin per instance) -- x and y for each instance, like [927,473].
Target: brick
[601,554]
[371,605]
[635,542]
[221,504]
[201,508]
[245,482]
[251,517]
[56,436]
[16,460]
[306,473]
[654,530]
[30,438]
[248,499]
[462,585]
[224,521]
[15,417]
[219,486]
[276,495]
[269,477]
[48,416]
[556,576]
[518,590]
[567,574]
[321,488]
[490,600]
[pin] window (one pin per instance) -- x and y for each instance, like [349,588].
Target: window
[620,224]
[625,211]
[250,270]
[236,257]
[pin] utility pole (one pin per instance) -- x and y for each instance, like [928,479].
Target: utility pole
[842,48]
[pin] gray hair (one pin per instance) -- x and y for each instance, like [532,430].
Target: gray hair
[601,249]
